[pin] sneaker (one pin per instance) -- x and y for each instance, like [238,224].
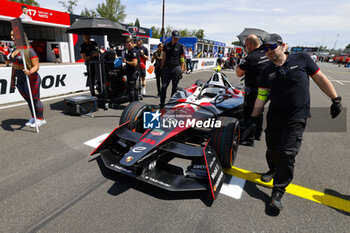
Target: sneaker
[267,177]
[275,201]
[143,90]
[39,123]
[31,121]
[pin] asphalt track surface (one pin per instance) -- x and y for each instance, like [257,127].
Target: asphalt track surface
[49,183]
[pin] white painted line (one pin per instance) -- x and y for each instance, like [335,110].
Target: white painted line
[234,188]
[95,142]
[44,100]
[340,83]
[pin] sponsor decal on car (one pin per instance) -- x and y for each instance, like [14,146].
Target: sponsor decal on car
[152,120]
[121,168]
[157,181]
[157,132]
[138,149]
[129,158]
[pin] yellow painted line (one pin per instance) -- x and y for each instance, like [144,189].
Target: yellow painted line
[312,195]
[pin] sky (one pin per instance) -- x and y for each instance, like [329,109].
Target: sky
[300,22]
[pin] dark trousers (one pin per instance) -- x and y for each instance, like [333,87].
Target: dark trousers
[189,65]
[249,101]
[283,140]
[91,81]
[131,86]
[169,74]
[158,78]
[35,82]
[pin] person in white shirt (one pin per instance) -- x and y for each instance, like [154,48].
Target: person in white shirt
[188,56]
[24,16]
[314,57]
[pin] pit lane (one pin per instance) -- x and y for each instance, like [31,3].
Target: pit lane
[49,183]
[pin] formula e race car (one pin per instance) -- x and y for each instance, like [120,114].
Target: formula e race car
[183,147]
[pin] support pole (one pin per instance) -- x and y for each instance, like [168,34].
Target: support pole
[30,92]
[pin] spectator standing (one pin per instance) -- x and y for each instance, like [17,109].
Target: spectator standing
[57,53]
[5,51]
[143,54]
[314,57]
[157,57]
[189,55]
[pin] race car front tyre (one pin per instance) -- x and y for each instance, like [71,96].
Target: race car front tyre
[134,113]
[225,140]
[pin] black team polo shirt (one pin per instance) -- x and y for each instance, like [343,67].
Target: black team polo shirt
[289,86]
[253,64]
[173,53]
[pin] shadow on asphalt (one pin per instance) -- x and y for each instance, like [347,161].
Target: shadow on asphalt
[336,194]
[253,191]
[9,124]
[58,106]
[123,183]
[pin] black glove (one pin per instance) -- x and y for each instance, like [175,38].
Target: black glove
[252,121]
[336,107]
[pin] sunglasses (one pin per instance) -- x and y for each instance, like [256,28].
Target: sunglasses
[271,47]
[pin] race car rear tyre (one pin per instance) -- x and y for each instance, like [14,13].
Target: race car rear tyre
[225,140]
[134,113]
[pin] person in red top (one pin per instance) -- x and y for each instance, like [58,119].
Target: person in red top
[56,51]
[5,51]
[143,54]
[34,80]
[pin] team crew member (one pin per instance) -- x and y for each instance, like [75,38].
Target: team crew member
[131,60]
[286,82]
[143,52]
[86,48]
[251,67]
[157,57]
[56,51]
[34,80]
[173,63]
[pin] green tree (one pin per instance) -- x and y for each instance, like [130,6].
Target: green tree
[69,6]
[137,23]
[348,46]
[184,33]
[238,43]
[155,32]
[88,13]
[192,33]
[168,31]
[28,2]
[112,10]
[200,34]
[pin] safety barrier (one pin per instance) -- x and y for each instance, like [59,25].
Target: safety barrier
[62,79]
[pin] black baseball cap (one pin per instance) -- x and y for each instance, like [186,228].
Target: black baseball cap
[272,39]
[175,34]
